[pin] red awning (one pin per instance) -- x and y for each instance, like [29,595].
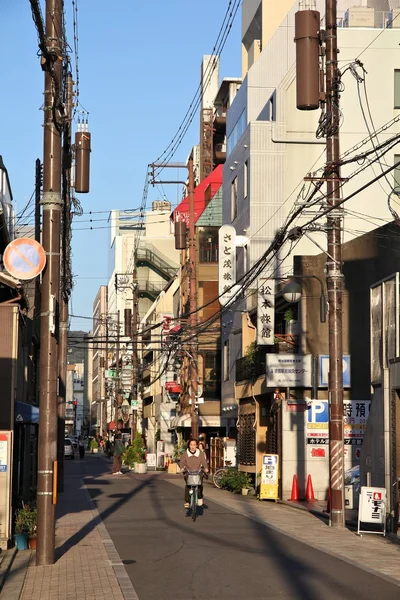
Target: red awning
[214,179]
[111,425]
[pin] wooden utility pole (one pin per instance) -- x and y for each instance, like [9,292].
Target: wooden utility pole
[65,272]
[193,304]
[334,275]
[51,203]
[135,320]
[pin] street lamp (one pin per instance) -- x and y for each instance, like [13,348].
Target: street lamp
[292,293]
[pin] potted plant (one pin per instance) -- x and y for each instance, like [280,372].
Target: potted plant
[94,446]
[246,484]
[32,518]
[139,451]
[25,525]
[130,458]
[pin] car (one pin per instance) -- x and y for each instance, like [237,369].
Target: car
[74,440]
[68,449]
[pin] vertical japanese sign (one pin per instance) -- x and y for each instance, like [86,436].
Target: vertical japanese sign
[226,263]
[266,312]
[269,485]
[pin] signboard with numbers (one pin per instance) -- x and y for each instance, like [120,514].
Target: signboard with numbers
[372,508]
[6,449]
[269,485]
[266,312]
[355,417]
[226,263]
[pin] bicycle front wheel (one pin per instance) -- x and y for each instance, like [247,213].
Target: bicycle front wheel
[194,503]
[217,478]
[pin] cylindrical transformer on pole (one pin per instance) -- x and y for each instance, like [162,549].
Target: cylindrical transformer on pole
[82,162]
[307,25]
[180,235]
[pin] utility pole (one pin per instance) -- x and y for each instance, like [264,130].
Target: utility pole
[135,319]
[334,277]
[65,268]
[38,185]
[193,303]
[51,206]
[117,375]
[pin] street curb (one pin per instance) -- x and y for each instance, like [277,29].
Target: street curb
[301,540]
[125,584]
[5,565]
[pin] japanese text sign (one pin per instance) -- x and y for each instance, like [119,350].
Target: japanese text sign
[226,262]
[266,312]
[288,370]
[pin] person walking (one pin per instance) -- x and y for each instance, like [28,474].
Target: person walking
[119,451]
[81,445]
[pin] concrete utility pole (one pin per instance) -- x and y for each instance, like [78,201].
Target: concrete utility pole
[135,319]
[193,303]
[51,206]
[334,277]
[65,270]
[117,372]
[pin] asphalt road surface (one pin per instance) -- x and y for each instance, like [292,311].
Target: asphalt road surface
[222,555]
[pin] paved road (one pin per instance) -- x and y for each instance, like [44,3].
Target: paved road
[222,555]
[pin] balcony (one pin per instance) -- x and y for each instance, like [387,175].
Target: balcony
[220,118]
[254,366]
[220,153]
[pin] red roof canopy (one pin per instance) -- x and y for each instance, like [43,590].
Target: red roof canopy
[214,179]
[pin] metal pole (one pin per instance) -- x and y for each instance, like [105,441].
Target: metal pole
[193,303]
[117,376]
[64,295]
[51,205]
[134,351]
[334,275]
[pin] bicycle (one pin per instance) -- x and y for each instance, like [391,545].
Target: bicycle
[194,479]
[219,474]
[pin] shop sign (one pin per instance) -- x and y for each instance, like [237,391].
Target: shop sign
[269,485]
[372,508]
[289,370]
[266,312]
[226,263]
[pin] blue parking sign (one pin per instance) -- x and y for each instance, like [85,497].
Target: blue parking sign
[318,412]
[324,370]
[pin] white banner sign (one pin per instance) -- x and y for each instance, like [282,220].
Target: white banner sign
[372,508]
[266,312]
[226,262]
[288,370]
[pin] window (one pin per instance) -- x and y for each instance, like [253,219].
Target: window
[234,199]
[226,360]
[208,245]
[237,131]
[245,179]
[396,173]
[397,88]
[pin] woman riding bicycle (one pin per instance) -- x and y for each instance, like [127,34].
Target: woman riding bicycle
[193,460]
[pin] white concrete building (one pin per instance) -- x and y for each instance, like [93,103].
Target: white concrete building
[266,163]
[146,243]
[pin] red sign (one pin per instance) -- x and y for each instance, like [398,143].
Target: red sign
[377,496]
[318,452]
[173,387]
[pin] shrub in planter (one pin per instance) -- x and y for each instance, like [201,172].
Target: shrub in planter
[94,446]
[130,457]
[25,526]
[235,481]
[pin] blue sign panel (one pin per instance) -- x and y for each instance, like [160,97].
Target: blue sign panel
[318,412]
[324,370]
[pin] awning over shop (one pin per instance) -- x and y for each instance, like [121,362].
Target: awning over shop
[26,413]
[204,421]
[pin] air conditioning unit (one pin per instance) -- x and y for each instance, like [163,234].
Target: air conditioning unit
[359,16]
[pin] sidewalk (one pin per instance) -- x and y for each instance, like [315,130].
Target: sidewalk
[373,553]
[87,566]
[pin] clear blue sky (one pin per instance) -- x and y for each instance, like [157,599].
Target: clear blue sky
[139,66]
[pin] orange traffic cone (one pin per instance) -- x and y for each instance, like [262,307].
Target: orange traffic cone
[310,490]
[295,497]
[328,505]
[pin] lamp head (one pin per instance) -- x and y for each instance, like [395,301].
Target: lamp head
[292,292]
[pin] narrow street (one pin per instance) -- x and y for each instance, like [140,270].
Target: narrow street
[222,555]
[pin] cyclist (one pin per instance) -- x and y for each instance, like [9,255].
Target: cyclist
[193,460]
